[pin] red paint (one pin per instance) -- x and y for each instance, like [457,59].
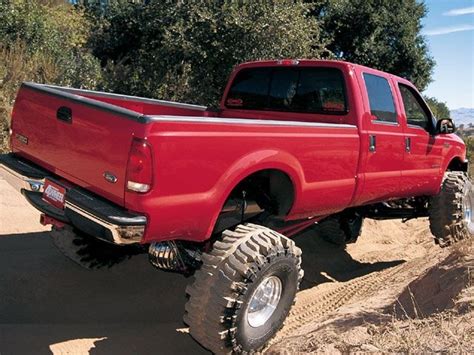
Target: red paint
[46,220]
[197,164]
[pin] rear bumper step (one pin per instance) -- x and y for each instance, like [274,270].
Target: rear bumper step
[82,209]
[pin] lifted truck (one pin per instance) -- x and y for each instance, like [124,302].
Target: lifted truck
[218,193]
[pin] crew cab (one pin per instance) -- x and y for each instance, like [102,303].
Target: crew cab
[218,192]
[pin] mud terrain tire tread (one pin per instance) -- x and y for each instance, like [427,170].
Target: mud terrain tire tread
[219,289]
[446,210]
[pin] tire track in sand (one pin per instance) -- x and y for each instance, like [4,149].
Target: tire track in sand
[326,298]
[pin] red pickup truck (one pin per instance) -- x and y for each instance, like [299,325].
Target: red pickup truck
[218,192]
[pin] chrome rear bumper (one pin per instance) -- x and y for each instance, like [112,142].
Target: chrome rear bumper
[19,181]
[82,209]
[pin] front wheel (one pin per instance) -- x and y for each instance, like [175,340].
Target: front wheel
[244,290]
[451,211]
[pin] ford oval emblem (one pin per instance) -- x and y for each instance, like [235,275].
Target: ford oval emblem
[110,177]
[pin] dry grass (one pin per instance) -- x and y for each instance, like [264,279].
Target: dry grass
[435,314]
[450,332]
[446,332]
[16,66]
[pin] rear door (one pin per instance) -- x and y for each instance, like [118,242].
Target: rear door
[423,153]
[382,139]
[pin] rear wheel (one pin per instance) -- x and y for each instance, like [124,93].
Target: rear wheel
[244,290]
[341,229]
[451,212]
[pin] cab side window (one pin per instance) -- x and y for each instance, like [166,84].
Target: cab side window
[417,114]
[380,98]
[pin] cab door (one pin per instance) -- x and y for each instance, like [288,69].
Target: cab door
[382,139]
[423,149]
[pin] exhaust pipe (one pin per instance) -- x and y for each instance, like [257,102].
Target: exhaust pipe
[173,256]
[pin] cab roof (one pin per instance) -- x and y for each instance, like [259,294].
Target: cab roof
[312,62]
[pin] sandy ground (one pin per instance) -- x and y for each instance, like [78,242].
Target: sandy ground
[49,304]
[394,273]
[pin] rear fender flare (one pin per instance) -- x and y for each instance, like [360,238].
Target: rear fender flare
[253,163]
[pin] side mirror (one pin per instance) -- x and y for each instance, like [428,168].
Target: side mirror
[445,126]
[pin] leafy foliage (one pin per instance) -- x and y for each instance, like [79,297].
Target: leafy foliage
[42,41]
[382,34]
[185,51]
[439,109]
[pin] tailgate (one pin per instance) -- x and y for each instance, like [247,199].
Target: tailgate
[77,138]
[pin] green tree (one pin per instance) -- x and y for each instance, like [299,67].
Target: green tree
[382,34]
[186,50]
[439,109]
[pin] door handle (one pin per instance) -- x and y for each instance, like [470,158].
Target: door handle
[372,143]
[407,144]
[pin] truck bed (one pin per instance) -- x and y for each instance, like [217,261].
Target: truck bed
[96,139]
[197,159]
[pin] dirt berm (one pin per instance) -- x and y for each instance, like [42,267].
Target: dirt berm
[353,299]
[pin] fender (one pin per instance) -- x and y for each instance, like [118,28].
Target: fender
[252,163]
[456,152]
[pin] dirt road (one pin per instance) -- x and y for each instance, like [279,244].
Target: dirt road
[49,304]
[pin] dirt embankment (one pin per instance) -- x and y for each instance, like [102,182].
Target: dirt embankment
[387,292]
[401,293]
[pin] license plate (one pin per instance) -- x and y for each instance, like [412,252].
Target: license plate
[54,194]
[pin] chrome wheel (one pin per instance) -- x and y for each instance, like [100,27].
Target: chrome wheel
[264,301]
[468,215]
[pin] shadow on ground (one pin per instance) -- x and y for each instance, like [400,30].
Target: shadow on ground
[130,308]
[46,299]
[326,262]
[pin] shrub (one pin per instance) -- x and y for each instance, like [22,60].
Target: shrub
[185,51]
[42,41]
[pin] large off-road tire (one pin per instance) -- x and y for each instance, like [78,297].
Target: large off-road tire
[451,211]
[244,290]
[341,230]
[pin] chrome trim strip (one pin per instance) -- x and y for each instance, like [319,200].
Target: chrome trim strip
[244,121]
[128,97]
[113,228]
[386,123]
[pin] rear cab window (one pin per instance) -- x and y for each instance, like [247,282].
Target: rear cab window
[319,90]
[381,100]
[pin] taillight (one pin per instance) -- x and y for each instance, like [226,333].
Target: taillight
[140,167]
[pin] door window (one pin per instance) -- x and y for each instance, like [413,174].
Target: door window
[416,112]
[380,98]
